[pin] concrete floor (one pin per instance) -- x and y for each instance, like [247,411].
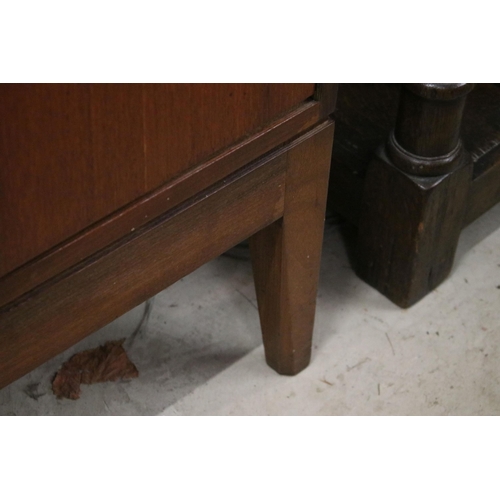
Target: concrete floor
[200,353]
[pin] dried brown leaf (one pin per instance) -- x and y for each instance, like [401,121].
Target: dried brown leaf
[105,363]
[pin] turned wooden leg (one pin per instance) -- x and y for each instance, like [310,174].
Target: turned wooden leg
[286,257]
[415,195]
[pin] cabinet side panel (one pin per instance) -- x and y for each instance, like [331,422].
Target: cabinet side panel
[72,155]
[45,157]
[188,123]
[117,146]
[69,155]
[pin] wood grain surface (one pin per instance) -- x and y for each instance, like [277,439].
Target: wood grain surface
[286,257]
[53,316]
[409,228]
[72,154]
[365,115]
[153,204]
[219,115]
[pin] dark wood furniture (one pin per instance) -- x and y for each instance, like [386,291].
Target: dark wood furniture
[412,165]
[110,193]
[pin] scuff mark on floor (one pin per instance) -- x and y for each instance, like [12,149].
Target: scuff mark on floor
[31,390]
[392,347]
[357,365]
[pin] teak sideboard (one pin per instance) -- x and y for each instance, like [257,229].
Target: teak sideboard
[109,193]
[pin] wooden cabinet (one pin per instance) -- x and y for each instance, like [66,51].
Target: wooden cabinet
[412,165]
[74,154]
[109,193]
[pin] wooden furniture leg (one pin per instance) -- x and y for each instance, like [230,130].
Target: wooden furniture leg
[415,195]
[286,258]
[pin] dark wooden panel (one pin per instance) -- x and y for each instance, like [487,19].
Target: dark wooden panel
[117,147]
[188,123]
[45,154]
[364,117]
[70,154]
[73,154]
[481,129]
[481,122]
[50,318]
[326,93]
[154,204]
[484,191]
